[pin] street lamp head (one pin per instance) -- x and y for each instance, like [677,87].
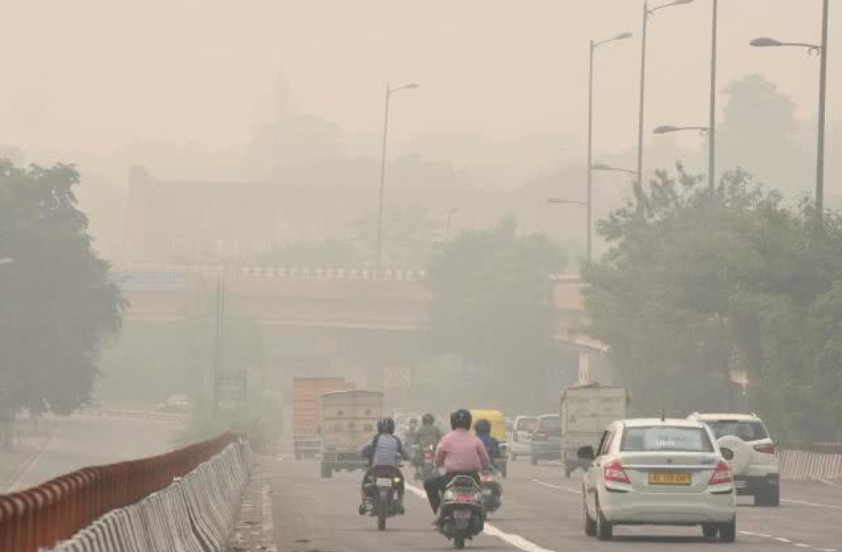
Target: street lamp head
[623,36]
[765,42]
[600,167]
[665,129]
[6,261]
[682,2]
[411,85]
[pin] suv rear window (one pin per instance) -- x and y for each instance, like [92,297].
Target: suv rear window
[745,430]
[527,424]
[665,438]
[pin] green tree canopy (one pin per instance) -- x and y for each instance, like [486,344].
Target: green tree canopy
[694,292]
[494,305]
[57,303]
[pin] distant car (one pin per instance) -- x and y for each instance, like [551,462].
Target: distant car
[748,448]
[658,472]
[176,404]
[522,429]
[546,439]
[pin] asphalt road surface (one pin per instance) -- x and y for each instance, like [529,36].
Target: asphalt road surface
[79,441]
[542,511]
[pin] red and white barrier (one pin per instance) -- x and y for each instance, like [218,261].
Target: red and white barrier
[196,513]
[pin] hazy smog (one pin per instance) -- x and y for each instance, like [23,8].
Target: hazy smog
[314,275]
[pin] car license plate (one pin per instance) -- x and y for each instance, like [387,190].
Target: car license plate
[741,484]
[462,514]
[384,482]
[669,478]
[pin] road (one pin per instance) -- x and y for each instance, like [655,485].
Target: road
[542,512]
[80,440]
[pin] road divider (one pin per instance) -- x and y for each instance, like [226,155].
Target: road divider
[184,500]
[803,465]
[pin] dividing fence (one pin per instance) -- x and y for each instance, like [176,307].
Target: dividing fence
[182,500]
[820,462]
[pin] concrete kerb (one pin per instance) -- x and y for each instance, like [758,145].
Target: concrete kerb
[194,514]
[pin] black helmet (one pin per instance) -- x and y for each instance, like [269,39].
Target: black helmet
[386,425]
[428,419]
[461,418]
[482,426]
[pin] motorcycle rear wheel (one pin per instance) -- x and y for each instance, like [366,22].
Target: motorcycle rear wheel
[459,543]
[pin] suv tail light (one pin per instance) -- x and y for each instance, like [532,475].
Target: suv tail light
[721,475]
[613,471]
[765,449]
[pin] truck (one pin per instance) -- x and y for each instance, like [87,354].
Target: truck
[586,410]
[349,420]
[306,412]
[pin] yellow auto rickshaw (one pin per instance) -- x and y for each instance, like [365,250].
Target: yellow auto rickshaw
[498,430]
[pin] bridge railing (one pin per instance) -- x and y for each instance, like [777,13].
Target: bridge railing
[42,516]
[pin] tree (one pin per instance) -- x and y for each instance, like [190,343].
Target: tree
[59,306]
[760,134]
[408,236]
[493,304]
[694,291]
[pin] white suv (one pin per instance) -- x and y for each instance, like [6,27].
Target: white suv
[745,443]
[658,472]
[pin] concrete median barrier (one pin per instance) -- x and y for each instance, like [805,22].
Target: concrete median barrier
[182,501]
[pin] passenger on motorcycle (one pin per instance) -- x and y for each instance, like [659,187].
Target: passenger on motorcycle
[458,453]
[483,430]
[384,450]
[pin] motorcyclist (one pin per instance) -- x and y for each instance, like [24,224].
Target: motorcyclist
[483,430]
[383,450]
[459,453]
[412,431]
[428,435]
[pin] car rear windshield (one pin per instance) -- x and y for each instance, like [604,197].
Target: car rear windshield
[745,430]
[527,424]
[549,424]
[665,438]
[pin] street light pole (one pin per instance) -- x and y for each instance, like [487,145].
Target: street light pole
[712,119]
[593,46]
[382,180]
[589,215]
[822,118]
[389,92]
[823,51]
[642,106]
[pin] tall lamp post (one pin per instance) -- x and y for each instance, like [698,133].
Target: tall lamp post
[390,90]
[822,51]
[712,115]
[593,48]
[647,13]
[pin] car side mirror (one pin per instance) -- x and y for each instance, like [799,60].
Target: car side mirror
[727,453]
[586,453]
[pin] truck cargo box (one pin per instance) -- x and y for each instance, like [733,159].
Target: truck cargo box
[349,419]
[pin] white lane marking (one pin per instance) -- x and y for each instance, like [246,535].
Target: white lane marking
[781,539]
[827,550]
[557,487]
[515,540]
[802,545]
[814,504]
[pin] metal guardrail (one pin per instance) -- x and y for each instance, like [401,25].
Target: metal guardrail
[56,510]
[134,414]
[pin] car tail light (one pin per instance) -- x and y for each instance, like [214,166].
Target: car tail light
[721,475]
[614,472]
[765,449]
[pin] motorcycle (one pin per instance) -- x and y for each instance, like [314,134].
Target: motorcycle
[381,498]
[492,490]
[461,514]
[426,467]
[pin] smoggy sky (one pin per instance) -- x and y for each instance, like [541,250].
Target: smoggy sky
[96,74]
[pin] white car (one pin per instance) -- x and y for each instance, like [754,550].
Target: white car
[522,436]
[748,448]
[658,472]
